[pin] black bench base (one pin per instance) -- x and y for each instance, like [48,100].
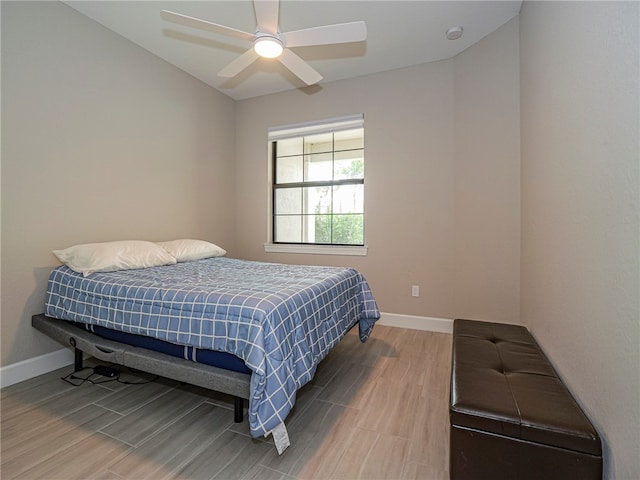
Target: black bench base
[482,455]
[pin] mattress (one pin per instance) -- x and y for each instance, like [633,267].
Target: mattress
[280,320]
[208,357]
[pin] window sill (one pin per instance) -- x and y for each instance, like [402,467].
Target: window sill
[316,249]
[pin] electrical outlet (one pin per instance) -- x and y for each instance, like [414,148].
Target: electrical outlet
[415,290]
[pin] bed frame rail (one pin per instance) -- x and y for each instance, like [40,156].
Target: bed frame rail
[82,341]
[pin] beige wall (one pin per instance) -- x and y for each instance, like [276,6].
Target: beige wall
[100,141]
[486,277]
[409,179]
[429,222]
[580,208]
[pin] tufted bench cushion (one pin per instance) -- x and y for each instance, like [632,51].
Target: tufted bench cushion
[510,414]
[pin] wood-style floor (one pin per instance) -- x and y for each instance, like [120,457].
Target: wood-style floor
[373,410]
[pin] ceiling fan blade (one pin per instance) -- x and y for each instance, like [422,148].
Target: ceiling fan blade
[267,15]
[204,25]
[326,35]
[299,67]
[239,64]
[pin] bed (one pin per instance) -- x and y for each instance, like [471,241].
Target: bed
[279,320]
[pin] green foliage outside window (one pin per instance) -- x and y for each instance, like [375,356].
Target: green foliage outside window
[345,229]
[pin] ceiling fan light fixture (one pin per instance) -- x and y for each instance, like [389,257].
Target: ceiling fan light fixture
[268,47]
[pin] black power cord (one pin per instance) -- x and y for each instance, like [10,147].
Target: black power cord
[74,379]
[110,372]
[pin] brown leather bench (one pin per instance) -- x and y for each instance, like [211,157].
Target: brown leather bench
[511,416]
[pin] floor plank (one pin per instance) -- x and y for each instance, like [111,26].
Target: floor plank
[175,445]
[22,452]
[373,410]
[145,421]
[86,462]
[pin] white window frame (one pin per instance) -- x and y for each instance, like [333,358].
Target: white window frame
[296,130]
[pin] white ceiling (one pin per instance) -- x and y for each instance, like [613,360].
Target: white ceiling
[400,34]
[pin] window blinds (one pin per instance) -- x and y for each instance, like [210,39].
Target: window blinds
[311,128]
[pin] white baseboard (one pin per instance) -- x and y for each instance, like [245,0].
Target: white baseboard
[32,367]
[442,325]
[26,369]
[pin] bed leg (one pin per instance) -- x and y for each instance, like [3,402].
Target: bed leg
[238,409]
[77,364]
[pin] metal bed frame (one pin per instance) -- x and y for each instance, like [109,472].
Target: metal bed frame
[82,341]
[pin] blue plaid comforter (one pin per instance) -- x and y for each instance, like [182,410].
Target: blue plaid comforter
[282,320]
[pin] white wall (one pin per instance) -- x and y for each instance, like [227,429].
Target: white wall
[100,141]
[580,208]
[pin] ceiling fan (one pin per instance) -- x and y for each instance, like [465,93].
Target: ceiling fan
[270,42]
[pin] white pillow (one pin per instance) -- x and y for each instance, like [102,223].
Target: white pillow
[185,249]
[112,256]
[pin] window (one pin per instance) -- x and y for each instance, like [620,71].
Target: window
[318,183]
